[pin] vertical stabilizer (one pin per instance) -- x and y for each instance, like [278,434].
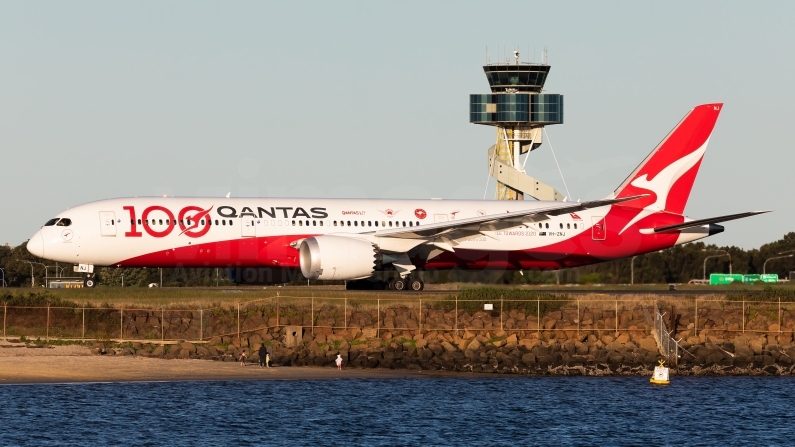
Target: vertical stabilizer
[668,173]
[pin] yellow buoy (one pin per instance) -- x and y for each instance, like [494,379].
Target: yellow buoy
[660,376]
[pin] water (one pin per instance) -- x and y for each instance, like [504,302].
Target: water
[448,411]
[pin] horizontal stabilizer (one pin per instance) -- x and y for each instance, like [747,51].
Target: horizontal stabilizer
[701,222]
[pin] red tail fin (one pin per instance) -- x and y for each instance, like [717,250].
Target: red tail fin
[668,173]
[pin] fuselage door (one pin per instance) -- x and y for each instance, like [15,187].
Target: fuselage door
[107,223]
[599,230]
[247,226]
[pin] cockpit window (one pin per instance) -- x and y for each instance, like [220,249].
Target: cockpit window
[64,222]
[51,222]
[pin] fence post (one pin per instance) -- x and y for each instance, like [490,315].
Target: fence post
[345,313]
[743,315]
[616,318]
[278,302]
[312,316]
[162,325]
[378,320]
[121,324]
[5,310]
[500,312]
[538,316]
[578,317]
[456,316]
[47,333]
[238,319]
[201,323]
[779,315]
[696,325]
[84,324]
[419,318]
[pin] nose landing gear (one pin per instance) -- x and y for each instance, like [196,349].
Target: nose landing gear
[90,282]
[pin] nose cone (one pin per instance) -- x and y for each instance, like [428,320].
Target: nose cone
[36,245]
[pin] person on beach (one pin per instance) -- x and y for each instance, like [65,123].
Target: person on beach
[243,358]
[339,362]
[263,353]
[268,360]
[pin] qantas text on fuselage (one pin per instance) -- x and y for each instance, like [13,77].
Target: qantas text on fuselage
[348,239]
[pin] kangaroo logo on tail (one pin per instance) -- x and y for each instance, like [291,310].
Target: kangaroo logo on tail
[662,183]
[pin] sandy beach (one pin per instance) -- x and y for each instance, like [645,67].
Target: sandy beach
[70,364]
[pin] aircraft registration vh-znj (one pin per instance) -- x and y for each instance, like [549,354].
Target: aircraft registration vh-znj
[354,239]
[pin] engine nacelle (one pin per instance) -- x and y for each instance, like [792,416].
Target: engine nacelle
[335,257]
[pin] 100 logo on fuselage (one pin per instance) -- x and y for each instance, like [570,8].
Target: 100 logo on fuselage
[190,223]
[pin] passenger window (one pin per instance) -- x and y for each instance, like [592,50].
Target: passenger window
[376,223]
[369,223]
[223,222]
[300,223]
[411,224]
[547,226]
[355,223]
[390,223]
[139,221]
[383,223]
[568,226]
[293,223]
[51,222]
[404,223]
[230,222]
[335,223]
[561,225]
[349,223]
[321,223]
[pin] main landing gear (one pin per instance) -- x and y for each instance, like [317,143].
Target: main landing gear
[397,284]
[90,282]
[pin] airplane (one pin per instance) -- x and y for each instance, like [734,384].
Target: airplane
[385,243]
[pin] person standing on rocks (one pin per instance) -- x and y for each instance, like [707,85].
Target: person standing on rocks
[263,354]
[243,358]
[339,362]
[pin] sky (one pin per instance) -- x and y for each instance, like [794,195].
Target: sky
[370,100]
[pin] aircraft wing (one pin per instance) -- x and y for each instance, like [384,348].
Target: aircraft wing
[700,222]
[494,222]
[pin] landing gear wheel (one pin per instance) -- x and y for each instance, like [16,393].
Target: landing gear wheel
[90,283]
[416,284]
[398,284]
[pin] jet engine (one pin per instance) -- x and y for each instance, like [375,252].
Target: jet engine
[335,257]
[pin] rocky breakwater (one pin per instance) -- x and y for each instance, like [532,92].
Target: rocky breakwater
[565,341]
[561,342]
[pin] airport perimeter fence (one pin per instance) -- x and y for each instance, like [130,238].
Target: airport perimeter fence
[408,316]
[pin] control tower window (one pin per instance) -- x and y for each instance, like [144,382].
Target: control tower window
[64,222]
[51,222]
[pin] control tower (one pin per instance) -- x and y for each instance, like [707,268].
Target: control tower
[519,110]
